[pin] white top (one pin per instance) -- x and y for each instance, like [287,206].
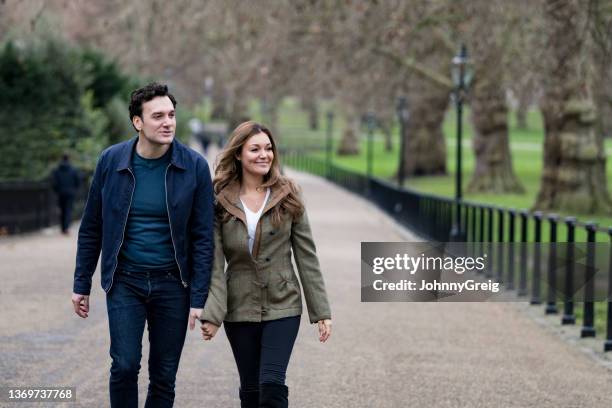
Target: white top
[253,218]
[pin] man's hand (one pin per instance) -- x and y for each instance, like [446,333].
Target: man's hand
[80,304]
[208,330]
[193,315]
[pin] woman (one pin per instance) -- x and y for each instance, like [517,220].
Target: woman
[260,220]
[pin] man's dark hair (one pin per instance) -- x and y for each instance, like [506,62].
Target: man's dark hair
[145,94]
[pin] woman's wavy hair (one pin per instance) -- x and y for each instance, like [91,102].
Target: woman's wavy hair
[228,169]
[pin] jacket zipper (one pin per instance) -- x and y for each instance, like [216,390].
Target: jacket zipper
[123,232]
[170,222]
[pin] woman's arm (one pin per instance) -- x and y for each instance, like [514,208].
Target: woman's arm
[305,255]
[216,303]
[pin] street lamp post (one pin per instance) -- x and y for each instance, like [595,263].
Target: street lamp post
[328,143]
[402,117]
[461,77]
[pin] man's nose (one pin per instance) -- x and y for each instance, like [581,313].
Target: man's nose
[167,121]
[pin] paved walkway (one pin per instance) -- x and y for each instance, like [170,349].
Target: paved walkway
[379,355]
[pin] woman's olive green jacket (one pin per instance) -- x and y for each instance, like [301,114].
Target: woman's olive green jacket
[263,286]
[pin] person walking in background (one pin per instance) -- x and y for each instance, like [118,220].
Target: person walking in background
[150,211]
[260,221]
[65,181]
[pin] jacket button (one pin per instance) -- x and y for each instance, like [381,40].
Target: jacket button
[271,232]
[264,311]
[267,259]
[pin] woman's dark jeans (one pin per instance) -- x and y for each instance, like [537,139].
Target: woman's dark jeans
[262,350]
[160,299]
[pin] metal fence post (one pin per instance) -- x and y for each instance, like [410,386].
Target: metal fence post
[608,342]
[489,273]
[568,303]
[537,256]
[499,253]
[522,290]
[588,321]
[511,242]
[551,299]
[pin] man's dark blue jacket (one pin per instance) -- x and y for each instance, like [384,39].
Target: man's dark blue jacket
[189,199]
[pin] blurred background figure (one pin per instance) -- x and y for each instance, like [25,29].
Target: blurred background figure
[197,132]
[65,180]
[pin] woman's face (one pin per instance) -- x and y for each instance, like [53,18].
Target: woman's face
[257,155]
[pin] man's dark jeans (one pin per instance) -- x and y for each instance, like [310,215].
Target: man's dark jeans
[160,299]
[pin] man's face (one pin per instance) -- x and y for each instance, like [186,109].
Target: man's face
[158,122]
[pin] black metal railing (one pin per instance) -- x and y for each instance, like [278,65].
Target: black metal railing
[32,205]
[520,266]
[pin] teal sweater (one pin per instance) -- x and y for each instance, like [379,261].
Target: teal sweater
[147,243]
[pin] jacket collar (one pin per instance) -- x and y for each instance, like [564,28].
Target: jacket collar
[125,154]
[229,198]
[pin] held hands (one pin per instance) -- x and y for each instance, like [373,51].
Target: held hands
[80,304]
[325,327]
[208,330]
[193,315]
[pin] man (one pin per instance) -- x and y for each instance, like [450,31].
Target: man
[150,211]
[65,181]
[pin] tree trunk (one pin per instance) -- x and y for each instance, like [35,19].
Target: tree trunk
[522,109]
[604,114]
[219,103]
[425,147]
[238,112]
[349,144]
[270,115]
[309,104]
[602,92]
[573,178]
[493,172]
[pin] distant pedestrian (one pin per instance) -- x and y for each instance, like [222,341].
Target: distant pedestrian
[65,181]
[204,138]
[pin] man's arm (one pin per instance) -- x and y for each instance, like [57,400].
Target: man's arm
[90,236]
[202,236]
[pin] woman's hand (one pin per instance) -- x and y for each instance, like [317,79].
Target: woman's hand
[325,327]
[208,330]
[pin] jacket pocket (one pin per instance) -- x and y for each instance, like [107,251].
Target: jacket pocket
[283,293]
[238,290]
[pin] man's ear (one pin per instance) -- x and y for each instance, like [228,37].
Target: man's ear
[137,122]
